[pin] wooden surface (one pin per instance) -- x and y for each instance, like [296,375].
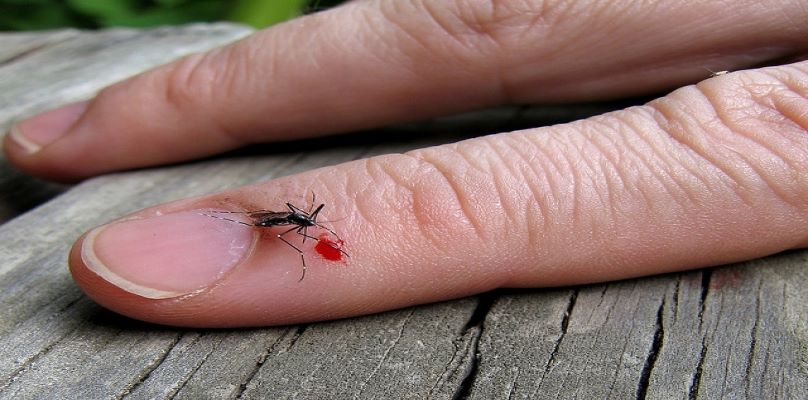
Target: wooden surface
[733,332]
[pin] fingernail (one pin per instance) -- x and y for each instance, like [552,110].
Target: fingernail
[166,256]
[34,133]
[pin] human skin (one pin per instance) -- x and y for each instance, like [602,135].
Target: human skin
[712,173]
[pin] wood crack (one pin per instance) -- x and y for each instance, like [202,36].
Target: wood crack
[750,358]
[151,367]
[512,387]
[385,354]
[469,362]
[564,324]
[294,332]
[695,383]
[27,52]
[653,353]
[191,373]
[295,336]
[475,326]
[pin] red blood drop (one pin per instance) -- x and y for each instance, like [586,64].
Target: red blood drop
[328,248]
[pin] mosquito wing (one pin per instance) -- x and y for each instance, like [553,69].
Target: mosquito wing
[270,218]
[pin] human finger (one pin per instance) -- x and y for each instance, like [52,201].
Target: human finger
[373,63]
[710,174]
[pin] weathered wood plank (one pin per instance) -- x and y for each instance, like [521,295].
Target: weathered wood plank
[587,343]
[721,333]
[45,70]
[417,353]
[14,46]
[69,66]
[733,332]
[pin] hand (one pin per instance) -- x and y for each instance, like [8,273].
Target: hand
[712,173]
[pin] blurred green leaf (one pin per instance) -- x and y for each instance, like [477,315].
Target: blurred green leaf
[187,12]
[170,3]
[90,14]
[102,8]
[36,16]
[261,13]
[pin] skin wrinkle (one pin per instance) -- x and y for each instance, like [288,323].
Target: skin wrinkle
[541,19]
[642,166]
[405,33]
[382,57]
[689,165]
[670,165]
[520,215]
[613,165]
[476,20]
[387,51]
[797,114]
[543,142]
[543,26]
[504,186]
[592,160]
[474,37]
[565,188]
[451,31]
[477,154]
[424,34]
[514,254]
[761,171]
[600,178]
[543,194]
[372,168]
[189,80]
[490,29]
[651,161]
[233,63]
[801,71]
[447,176]
[572,157]
[186,78]
[528,175]
[732,122]
[674,129]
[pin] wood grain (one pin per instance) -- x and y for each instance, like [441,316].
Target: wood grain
[732,332]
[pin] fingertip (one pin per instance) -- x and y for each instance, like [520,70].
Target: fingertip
[158,257]
[29,143]
[105,293]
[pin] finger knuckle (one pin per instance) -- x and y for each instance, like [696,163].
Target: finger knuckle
[468,24]
[188,82]
[752,126]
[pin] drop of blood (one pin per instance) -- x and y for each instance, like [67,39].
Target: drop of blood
[329,249]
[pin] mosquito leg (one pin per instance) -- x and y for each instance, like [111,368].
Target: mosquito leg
[302,258]
[303,231]
[295,209]
[311,206]
[227,219]
[239,212]
[307,236]
[329,230]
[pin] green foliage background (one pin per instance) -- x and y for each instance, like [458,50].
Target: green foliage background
[94,14]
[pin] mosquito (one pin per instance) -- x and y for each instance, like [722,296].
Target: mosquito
[301,220]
